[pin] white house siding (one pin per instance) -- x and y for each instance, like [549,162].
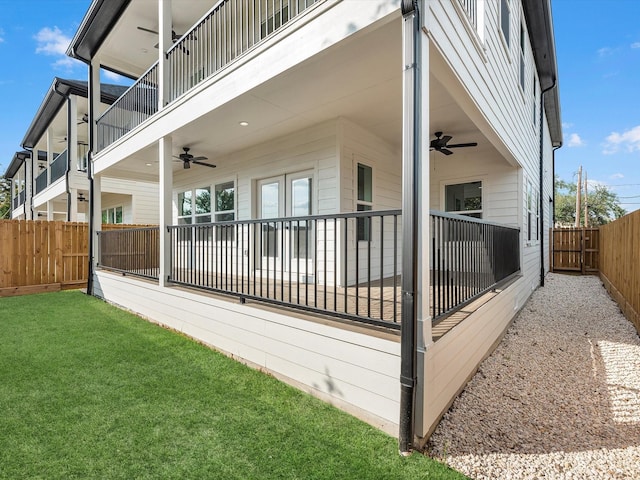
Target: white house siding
[352,369]
[487,87]
[138,199]
[357,145]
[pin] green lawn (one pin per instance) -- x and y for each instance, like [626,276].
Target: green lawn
[90,391]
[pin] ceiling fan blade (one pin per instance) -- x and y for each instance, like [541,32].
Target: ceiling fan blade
[147,30]
[199,158]
[459,145]
[204,164]
[445,151]
[443,141]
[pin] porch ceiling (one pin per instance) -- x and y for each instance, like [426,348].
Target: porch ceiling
[359,79]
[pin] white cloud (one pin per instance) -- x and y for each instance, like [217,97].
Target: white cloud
[51,41]
[1,35]
[575,141]
[628,140]
[604,51]
[635,45]
[616,176]
[567,125]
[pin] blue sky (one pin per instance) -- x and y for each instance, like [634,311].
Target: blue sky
[598,47]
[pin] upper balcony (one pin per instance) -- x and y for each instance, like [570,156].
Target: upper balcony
[225,33]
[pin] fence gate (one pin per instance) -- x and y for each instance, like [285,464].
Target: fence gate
[575,250]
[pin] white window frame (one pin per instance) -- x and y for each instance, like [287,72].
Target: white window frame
[456,182]
[531,213]
[365,204]
[522,70]
[193,216]
[111,215]
[214,207]
[506,38]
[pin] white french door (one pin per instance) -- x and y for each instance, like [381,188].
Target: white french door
[285,246]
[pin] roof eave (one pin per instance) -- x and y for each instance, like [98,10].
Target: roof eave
[99,20]
[540,24]
[16,162]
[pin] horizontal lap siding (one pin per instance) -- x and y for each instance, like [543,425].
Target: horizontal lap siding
[451,361]
[141,206]
[312,149]
[356,371]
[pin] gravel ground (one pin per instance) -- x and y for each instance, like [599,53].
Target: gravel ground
[559,397]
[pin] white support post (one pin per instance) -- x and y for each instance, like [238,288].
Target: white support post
[73,212]
[424,232]
[96,211]
[72,134]
[50,210]
[165,162]
[49,154]
[165,41]
[28,187]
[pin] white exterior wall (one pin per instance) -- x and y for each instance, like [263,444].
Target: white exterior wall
[139,199]
[484,77]
[350,368]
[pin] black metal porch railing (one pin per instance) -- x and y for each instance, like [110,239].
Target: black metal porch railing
[345,265]
[135,251]
[469,257]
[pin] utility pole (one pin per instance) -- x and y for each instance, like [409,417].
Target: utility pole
[578,193]
[586,203]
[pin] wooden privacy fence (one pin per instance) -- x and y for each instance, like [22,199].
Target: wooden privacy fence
[34,252]
[575,250]
[40,255]
[620,264]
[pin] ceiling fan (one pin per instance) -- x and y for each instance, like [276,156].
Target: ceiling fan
[187,159]
[174,37]
[83,119]
[440,144]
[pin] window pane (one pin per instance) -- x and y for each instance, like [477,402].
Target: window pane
[225,197]
[105,217]
[463,197]
[184,204]
[364,224]
[504,19]
[365,184]
[118,215]
[301,197]
[203,200]
[270,199]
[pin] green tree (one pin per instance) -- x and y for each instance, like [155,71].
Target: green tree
[5,197]
[602,204]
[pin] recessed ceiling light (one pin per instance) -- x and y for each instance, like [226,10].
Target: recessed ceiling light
[149,164]
[244,124]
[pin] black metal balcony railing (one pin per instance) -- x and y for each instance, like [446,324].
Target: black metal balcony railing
[138,103]
[41,181]
[135,251]
[230,29]
[345,265]
[59,166]
[469,257]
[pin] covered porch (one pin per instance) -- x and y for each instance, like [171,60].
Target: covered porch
[301,213]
